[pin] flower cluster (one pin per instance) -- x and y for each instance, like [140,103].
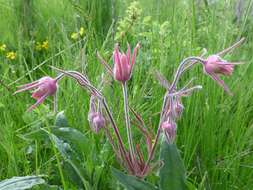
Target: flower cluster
[40,46]
[131,157]
[10,54]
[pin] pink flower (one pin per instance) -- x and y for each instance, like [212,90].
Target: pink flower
[97,121]
[123,63]
[215,66]
[44,87]
[169,129]
[95,115]
[178,107]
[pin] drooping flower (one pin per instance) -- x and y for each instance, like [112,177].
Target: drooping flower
[123,63]
[169,128]
[215,66]
[95,115]
[97,121]
[178,107]
[44,87]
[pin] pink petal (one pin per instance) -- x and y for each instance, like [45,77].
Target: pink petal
[28,87]
[38,94]
[29,84]
[135,52]
[231,63]
[39,101]
[117,56]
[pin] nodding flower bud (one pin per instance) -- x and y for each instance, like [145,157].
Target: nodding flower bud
[97,121]
[95,116]
[123,63]
[215,66]
[44,87]
[169,129]
[178,108]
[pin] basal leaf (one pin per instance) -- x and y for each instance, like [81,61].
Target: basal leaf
[172,174]
[132,182]
[20,183]
[61,120]
[73,137]
[70,156]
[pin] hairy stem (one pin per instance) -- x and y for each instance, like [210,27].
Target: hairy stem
[129,133]
[157,134]
[121,146]
[180,69]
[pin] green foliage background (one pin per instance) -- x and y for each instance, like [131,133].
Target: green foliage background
[215,132]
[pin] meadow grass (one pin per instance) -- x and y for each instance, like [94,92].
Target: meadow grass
[215,132]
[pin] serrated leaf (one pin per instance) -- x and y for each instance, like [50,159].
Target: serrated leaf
[132,182]
[20,183]
[172,174]
[61,120]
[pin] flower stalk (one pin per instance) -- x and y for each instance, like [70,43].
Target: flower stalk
[128,127]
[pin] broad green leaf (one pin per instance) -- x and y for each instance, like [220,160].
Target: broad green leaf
[172,174]
[20,183]
[37,134]
[61,120]
[132,182]
[74,137]
[69,155]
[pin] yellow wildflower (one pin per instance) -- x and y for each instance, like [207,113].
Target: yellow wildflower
[81,31]
[2,47]
[74,36]
[11,55]
[38,46]
[45,44]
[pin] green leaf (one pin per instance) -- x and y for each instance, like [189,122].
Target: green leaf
[131,182]
[74,137]
[20,183]
[36,134]
[172,174]
[69,155]
[61,120]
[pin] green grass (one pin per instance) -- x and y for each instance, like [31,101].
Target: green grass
[215,132]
